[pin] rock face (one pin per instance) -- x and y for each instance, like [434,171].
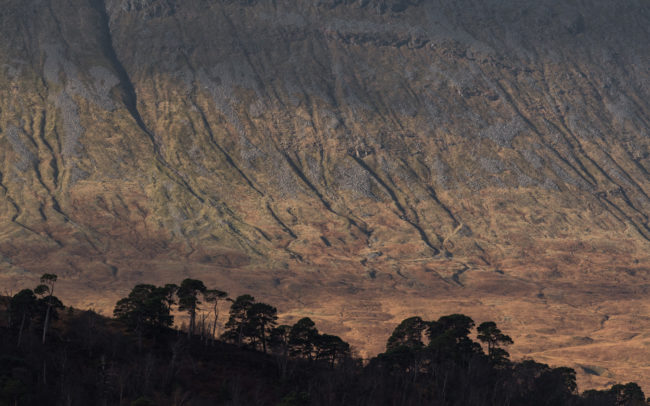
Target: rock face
[356,161]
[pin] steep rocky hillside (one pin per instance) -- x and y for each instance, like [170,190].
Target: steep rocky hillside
[354,161]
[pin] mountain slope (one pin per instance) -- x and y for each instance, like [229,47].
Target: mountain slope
[360,161]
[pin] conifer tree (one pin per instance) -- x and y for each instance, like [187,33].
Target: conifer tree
[46,290]
[262,319]
[408,333]
[145,309]
[188,300]
[302,338]
[214,296]
[23,305]
[238,324]
[494,338]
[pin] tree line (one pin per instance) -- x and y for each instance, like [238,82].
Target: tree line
[54,355]
[147,310]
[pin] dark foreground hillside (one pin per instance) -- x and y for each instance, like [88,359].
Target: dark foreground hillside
[89,359]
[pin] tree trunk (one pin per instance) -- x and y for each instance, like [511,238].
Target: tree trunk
[263,339]
[139,330]
[9,311]
[22,326]
[213,335]
[204,328]
[47,321]
[216,317]
[190,329]
[241,334]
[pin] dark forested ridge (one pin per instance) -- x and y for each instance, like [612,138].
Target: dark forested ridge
[56,355]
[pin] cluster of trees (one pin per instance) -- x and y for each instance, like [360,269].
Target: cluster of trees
[147,311]
[138,358]
[618,394]
[148,308]
[438,360]
[429,358]
[255,324]
[449,336]
[39,305]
